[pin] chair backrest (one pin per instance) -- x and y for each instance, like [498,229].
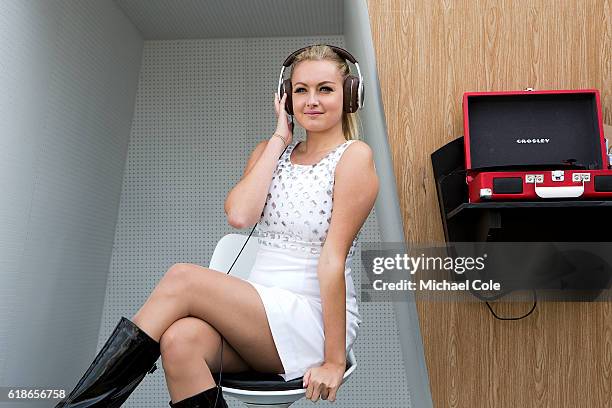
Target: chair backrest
[352,363]
[227,250]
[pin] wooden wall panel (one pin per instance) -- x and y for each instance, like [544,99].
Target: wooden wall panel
[428,53]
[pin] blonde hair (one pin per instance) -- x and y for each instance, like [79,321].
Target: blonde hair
[325,53]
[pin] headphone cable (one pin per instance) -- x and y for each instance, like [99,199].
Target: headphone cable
[227,273]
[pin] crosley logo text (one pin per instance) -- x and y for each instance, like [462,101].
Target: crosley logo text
[537,141]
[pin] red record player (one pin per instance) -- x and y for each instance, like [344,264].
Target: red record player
[534,145]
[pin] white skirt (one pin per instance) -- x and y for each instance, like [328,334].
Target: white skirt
[288,285]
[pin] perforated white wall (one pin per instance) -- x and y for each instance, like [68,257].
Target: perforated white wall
[68,80]
[202,106]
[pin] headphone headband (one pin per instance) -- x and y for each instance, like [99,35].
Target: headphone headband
[340,51]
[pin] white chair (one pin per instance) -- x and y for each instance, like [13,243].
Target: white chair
[257,390]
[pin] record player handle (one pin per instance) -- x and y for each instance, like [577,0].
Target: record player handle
[560,192]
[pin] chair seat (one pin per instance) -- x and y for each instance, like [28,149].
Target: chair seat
[256,381]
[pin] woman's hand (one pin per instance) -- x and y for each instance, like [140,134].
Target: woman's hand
[283,125]
[323,381]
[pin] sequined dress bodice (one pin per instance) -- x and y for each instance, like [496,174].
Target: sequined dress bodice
[298,208]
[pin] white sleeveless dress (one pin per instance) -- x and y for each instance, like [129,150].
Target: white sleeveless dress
[291,233]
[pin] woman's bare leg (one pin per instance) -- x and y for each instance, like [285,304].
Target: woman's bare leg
[191,352]
[164,305]
[230,305]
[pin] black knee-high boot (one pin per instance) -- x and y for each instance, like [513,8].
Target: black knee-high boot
[126,357]
[205,399]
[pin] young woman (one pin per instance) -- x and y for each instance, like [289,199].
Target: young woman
[296,315]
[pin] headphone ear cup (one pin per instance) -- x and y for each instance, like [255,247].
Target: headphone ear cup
[350,96]
[286,88]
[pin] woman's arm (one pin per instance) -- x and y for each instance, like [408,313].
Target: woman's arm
[355,190]
[245,202]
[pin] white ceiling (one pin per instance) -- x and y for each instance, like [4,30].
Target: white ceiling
[190,19]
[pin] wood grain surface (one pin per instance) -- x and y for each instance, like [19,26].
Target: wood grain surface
[428,54]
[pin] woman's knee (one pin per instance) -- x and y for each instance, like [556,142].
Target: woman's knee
[188,338]
[182,280]
[177,278]
[184,272]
